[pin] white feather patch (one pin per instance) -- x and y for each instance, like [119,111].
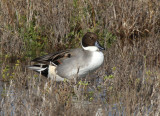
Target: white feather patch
[91,48]
[53,75]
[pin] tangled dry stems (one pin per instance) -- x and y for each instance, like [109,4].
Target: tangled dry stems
[132,60]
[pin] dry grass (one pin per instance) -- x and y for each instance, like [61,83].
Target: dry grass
[127,84]
[63,23]
[136,75]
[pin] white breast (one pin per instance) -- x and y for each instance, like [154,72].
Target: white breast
[96,62]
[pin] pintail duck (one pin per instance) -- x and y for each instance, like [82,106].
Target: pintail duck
[70,63]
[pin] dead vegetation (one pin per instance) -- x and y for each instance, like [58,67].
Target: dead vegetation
[127,84]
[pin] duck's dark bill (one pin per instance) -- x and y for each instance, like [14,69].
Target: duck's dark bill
[99,46]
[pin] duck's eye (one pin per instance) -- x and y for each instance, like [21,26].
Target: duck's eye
[90,38]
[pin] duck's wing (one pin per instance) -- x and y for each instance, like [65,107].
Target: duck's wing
[55,58]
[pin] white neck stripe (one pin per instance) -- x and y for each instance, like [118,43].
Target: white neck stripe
[90,48]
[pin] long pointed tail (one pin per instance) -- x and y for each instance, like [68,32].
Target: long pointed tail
[40,68]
